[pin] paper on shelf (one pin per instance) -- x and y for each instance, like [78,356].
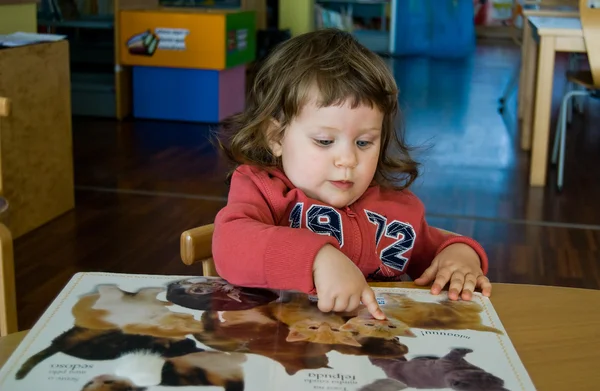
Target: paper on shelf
[20,38]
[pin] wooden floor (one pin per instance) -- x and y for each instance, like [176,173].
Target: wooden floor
[141,183]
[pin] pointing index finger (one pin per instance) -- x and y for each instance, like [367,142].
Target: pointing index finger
[369,300]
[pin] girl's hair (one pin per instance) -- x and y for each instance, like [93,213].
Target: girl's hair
[342,70]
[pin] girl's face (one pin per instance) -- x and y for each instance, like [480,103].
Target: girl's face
[331,153]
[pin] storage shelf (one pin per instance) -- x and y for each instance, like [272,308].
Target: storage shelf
[100,23]
[93,94]
[362,2]
[377,41]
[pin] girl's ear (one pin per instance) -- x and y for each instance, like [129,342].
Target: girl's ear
[274,138]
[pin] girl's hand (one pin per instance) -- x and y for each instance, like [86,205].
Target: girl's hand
[458,264]
[341,285]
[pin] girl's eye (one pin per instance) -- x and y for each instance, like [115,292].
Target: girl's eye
[363,144]
[324,142]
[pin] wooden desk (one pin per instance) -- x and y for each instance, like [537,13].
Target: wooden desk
[9,343]
[556,332]
[555,34]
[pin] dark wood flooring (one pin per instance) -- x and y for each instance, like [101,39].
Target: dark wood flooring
[141,183]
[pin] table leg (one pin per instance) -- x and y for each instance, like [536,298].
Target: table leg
[543,103]
[530,62]
[524,47]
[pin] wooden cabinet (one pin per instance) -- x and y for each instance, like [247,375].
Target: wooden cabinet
[36,157]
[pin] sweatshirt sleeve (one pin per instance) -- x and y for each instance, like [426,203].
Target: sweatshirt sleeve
[249,249]
[431,241]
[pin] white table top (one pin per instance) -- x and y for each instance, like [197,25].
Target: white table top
[551,25]
[552,11]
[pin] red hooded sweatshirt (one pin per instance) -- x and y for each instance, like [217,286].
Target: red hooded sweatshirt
[270,232]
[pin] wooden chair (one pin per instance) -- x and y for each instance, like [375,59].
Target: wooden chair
[8,302]
[588,80]
[196,246]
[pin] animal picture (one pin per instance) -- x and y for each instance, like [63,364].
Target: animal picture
[307,323]
[445,315]
[93,344]
[265,339]
[365,325]
[450,371]
[133,313]
[384,385]
[271,339]
[136,371]
[214,294]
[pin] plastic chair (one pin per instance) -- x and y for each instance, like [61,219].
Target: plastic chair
[589,81]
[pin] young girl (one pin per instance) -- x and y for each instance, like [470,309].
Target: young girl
[319,200]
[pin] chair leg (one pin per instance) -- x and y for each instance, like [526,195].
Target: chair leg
[578,104]
[557,136]
[572,67]
[570,87]
[8,293]
[562,133]
[563,130]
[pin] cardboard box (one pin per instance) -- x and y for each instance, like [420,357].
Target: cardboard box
[187,38]
[195,95]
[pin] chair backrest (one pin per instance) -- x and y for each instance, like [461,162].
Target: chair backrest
[196,246]
[590,21]
[4,106]
[8,293]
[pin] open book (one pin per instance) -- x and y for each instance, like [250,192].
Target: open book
[206,333]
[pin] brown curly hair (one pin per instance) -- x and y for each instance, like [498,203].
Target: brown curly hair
[342,70]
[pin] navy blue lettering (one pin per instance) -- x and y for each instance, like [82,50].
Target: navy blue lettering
[296,215]
[380,222]
[391,256]
[325,220]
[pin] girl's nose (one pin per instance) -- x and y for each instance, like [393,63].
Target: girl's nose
[346,158]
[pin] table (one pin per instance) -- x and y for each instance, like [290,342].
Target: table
[9,343]
[555,34]
[556,332]
[529,48]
